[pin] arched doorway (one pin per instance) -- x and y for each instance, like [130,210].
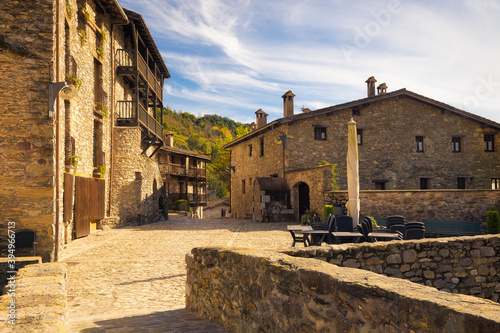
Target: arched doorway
[303,198]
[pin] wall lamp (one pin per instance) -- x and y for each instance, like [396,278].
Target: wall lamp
[65,92]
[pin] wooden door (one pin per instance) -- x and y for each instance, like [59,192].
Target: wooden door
[89,203]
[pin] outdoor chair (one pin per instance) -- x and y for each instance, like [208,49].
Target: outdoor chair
[414,230]
[414,225]
[368,221]
[398,227]
[26,240]
[415,234]
[344,223]
[365,230]
[319,226]
[394,219]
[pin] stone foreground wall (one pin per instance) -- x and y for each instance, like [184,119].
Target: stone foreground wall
[261,291]
[39,300]
[418,205]
[464,265]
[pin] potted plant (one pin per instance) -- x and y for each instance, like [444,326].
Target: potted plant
[71,79]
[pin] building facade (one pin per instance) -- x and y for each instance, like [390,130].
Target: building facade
[83,82]
[184,174]
[405,141]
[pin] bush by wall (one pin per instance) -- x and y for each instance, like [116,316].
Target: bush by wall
[182,205]
[327,210]
[493,222]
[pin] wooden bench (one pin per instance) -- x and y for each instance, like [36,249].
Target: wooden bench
[452,228]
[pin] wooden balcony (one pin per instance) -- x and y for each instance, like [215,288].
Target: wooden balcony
[131,113]
[129,62]
[181,171]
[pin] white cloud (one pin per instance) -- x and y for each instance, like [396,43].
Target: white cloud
[233,57]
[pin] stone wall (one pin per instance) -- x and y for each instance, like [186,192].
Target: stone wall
[248,168]
[259,291]
[465,265]
[137,182]
[388,151]
[418,205]
[318,179]
[38,300]
[27,168]
[387,156]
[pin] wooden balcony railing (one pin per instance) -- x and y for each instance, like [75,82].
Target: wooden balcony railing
[135,114]
[126,58]
[180,170]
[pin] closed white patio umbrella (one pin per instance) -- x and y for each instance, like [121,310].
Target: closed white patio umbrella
[352,172]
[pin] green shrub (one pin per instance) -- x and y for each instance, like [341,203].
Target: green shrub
[493,222]
[327,210]
[183,205]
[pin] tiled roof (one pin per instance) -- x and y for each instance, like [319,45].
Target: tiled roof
[148,39]
[359,102]
[185,152]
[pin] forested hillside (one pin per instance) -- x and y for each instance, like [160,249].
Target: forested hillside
[206,135]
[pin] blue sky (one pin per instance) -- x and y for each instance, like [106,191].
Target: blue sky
[233,57]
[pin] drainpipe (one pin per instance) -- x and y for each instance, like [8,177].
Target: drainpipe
[112,119]
[283,144]
[56,252]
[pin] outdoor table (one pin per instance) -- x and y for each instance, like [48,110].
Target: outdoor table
[311,232]
[337,235]
[382,234]
[298,229]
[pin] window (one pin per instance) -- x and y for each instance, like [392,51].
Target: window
[243,190]
[489,145]
[461,183]
[380,186]
[360,136]
[356,112]
[320,133]
[495,183]
[425,183]
[456,143]
[420,144]
[261,146]
[250,150]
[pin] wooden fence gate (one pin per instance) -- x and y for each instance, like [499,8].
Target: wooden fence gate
[89,203]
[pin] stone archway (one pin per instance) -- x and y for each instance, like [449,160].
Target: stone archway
[304,201]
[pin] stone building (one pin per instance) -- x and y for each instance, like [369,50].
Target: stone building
[406,141]
[184,174]
[82,86]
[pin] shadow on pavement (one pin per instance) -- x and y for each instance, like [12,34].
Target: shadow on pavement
[181,320]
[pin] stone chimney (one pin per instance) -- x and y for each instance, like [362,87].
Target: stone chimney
[261,118]
[169,139]
[382,89]
[288,103]
[253,127]
[371,86]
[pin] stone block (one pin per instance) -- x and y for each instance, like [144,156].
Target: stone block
[393,259]
[409,256]
[429,274]
[487,251]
